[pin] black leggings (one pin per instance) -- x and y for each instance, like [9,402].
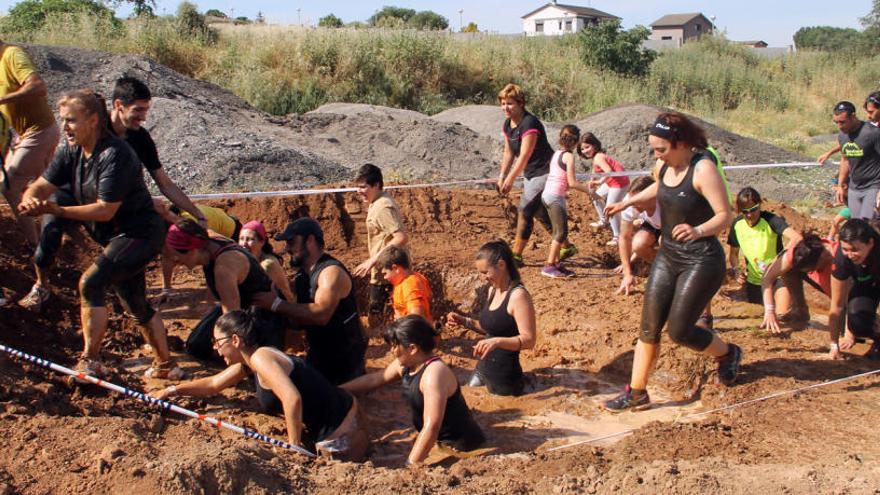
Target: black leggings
[531,206]
[861,310]
[683,279]
[52,230]
[121,267]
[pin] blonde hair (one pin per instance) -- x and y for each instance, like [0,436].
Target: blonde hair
[513,92]
[90,102]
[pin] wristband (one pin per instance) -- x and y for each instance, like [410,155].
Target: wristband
[769,308]
[699,230]
[277,302]
[834,346]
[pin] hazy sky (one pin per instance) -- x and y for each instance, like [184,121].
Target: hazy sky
[773,21]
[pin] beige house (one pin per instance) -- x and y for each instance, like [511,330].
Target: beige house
[680,28]
[556,19]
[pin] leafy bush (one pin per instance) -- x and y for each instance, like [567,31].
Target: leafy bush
[330,21]
[29,16]
[829,38]
[608,46]
[192,23]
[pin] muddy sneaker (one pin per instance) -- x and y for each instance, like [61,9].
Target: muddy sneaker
[475,380]
[612,242]
[706,321]
[627,401]
[90,367]
[552,271]
[165,371]
[567,252]
[598,225]
[518,261]
[565,271]
[35,299]
[874,352]
[728,365]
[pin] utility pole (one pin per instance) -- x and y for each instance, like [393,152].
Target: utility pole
[298,18]
[460,20]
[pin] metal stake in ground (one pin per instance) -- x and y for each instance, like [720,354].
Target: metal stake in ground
[164,405]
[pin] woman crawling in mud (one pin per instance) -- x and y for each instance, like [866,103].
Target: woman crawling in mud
[439,411]
[314,410]
[507,319]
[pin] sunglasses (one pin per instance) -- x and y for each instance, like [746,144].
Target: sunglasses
[751,208]
[217,343]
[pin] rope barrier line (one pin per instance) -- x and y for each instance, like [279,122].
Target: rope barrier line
[725,408]
[311,192]
[164,405]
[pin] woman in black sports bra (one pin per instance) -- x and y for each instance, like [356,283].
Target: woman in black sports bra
[690,266]
[232,275]
[507,319]
[315,412]
[439,411]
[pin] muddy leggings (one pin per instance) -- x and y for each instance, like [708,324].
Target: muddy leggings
[861,310]
[52,230]
[684,278]
[530,207]
[558,212]
[121,267]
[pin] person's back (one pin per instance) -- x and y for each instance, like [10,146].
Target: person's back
[411,293]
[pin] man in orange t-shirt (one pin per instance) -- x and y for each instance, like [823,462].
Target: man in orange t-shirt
[412,293]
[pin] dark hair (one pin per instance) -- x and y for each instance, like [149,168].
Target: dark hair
[747,195]
[245,324]
[590,138]
[639,184]
[191,227]
[874,99]
[92,103]
[858,229]
[681,130]
[370,174]
[844,107]
[129,89]
[393,255]
[569,136]
[498,250]
[411,330]
[806,253]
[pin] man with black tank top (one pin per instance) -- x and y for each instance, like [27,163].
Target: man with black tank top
[325,308]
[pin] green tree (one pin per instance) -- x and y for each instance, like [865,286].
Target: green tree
[330,21]
[391,13]
[428,20]
[30,15]
[471,28]
[828,38]
[241,20]
[608,46]
[872,20]
[192,23]
[216,13]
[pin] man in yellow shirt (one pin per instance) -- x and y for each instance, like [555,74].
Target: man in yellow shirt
[24,106]
[384,228]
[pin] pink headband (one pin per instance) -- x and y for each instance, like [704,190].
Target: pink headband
[181,241]
[256,226]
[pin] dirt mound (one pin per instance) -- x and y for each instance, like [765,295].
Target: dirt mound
[351,109]
[485,119]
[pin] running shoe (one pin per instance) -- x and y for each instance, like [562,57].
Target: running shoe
[874,352]
[598,225]
[567,252]
[565,271]
[518,260]
[728,365]
[35,299]
[706,321]
[552,271]
[612,242]
[476,380]
[90,367]
[626,401]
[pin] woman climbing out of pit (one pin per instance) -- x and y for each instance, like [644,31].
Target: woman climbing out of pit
[526,151]
[855,288]
[759,235]
[232,275]
[254,238]
[809,259]
[439,411]
[689,268]
[315,412]
[610,189]
[507,319]
[95,179]
[559,181]
[638,242]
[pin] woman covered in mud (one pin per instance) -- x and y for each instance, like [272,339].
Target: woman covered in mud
[232,274]
[254,238]
[439,411]
[690,266]
[315,411]
[507,320]
[95,179]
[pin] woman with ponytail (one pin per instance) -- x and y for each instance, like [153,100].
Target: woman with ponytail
[315,412]
[95,179]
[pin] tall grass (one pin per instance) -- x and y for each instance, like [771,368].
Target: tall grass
[283,70]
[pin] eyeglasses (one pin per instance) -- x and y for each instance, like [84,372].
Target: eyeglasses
[751,208]
[217,343]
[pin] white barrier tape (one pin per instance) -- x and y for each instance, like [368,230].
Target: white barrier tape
[311,192]
[164,405]
[724,408]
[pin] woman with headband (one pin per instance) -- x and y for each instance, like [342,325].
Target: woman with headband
[254,238]
[233,276]
[95,179]
[690,266]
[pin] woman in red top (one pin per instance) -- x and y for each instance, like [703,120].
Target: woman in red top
[610,189]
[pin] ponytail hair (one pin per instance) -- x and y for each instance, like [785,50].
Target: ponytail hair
[411,330]
[806,253]
[494,251]
[92,103]
[245,324]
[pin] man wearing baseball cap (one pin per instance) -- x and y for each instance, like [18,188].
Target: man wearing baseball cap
[860,161]
[326,307]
